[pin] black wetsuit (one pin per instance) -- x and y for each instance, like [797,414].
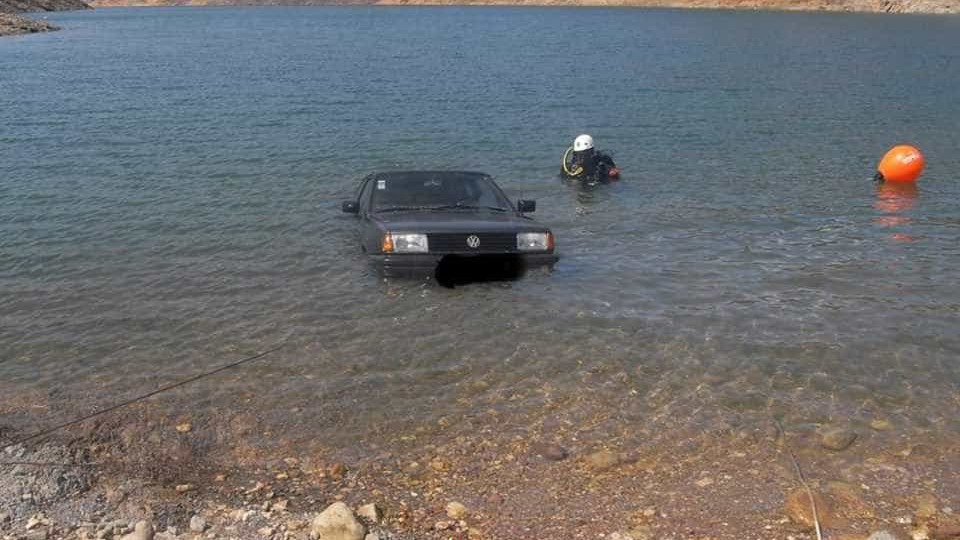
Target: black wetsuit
[595,165]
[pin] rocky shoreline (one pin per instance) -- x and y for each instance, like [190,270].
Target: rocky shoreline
[863,6]
[12,25]
[176,478]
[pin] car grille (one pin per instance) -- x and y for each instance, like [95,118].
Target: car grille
[457,243]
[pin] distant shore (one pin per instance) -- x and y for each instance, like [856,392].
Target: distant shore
[864,6]
[12,24]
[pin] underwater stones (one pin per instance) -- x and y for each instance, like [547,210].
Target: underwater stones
[602,460]
[747,401]
[837,438]
[798,509]
[550,451]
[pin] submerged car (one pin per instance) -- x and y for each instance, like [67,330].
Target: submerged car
[416,222]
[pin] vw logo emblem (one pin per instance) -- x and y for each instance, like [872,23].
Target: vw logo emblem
[473,241]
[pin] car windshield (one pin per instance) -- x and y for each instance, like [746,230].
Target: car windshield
[436,191]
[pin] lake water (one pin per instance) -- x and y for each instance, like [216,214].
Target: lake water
[170,182]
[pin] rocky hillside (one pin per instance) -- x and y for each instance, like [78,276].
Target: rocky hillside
[12,25]
[877,6]
[22,6]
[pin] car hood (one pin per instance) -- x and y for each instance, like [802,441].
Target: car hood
[456,221]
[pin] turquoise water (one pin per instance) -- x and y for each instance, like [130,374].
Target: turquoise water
[170,183]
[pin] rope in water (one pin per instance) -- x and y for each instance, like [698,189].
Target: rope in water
[803,480]
[131,401]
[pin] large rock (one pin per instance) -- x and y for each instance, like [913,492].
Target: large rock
[371,512]
[337,522]
[143,530]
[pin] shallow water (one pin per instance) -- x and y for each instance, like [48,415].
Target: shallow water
[169,200]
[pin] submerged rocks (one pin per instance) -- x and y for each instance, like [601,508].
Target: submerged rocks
[550,451]
[839,503]
[798,508]
[337,522]
[837,438]
[602,460]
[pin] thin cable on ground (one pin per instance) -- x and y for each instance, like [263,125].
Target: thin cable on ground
[140,398]
[803,480]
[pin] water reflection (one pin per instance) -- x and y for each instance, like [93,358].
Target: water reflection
[892,200]
[588,192]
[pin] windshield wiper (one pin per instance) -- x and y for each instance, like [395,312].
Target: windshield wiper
[468,207]
[402,208]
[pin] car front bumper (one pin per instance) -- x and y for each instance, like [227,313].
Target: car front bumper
[425,264]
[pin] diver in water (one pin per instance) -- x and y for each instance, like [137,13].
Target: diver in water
[584,162]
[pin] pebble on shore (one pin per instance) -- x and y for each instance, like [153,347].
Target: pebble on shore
[456,510]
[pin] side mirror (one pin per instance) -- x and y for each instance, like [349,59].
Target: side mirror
[350,207]
[525,205]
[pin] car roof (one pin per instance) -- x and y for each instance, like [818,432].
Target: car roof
[386,175]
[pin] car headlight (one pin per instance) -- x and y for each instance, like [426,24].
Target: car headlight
[404,243]
[534,241]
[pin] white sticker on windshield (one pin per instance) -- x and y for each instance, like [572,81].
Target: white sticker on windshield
[381,184]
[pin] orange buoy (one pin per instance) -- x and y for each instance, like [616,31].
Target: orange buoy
[903,163]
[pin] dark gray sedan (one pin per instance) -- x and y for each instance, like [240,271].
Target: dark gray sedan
[413,222]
